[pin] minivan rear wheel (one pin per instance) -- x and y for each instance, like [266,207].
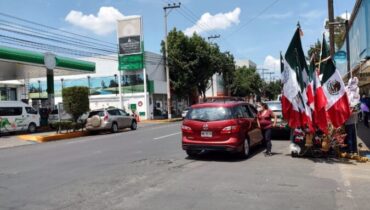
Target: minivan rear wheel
[31,128]
[114,128]
[245,150]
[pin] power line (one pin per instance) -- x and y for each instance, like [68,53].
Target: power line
[31,29]
[254,18]
[53,28]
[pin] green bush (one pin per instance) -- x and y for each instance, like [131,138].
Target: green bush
[76,101]
[68,126]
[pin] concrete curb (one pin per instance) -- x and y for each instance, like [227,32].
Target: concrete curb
[53,137]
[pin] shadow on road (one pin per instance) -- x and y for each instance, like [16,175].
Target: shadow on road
[329,159]
[225,156]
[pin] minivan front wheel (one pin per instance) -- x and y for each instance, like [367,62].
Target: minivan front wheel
[31,128]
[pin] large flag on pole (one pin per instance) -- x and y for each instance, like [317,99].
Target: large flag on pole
[294,100]
[319,113]
[333,86]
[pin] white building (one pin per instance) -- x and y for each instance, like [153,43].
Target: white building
[246,62]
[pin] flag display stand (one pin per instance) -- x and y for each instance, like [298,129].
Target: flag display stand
[316,104]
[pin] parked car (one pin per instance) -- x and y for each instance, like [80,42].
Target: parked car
[18,116]
[111,119]
[184,112]
[229,126]
[281,125]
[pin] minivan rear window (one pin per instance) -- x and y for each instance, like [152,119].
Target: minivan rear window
[99,113]
[209,114]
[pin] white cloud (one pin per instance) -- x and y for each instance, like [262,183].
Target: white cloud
[278,15]
[102,24]
[208,22]
[346,15]
[273,65]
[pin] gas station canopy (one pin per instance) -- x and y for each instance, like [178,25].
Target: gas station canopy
[16,64]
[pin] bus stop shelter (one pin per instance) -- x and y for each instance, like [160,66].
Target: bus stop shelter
[19,64]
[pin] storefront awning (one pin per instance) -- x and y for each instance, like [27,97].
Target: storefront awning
[24,64]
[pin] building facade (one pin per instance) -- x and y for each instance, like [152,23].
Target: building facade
[104,86]
[359,41]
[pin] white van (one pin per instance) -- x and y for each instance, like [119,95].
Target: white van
[18,116]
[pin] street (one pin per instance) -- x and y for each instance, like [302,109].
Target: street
[147,169]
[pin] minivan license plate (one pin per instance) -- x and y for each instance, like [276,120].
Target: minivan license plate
[206,134]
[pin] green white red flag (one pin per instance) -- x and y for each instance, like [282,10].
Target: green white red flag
[294,77]
[319,111]
[337,106]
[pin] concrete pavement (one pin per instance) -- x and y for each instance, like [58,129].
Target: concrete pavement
[146,169]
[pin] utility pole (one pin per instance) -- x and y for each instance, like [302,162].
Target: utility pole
[270,73]
[209,38]
[169,7]
[331,27]
[263,73]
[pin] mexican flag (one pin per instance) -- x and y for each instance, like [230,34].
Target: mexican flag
[294,100]
[319,114]
[337,106]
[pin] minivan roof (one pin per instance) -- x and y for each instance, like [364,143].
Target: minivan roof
[218,104]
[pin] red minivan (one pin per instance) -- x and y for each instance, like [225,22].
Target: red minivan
[229,126]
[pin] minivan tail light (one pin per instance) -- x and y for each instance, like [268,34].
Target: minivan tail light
[230,129]
[106,117]
[186,129]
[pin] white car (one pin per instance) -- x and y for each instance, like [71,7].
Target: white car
[184,113]
[18,116]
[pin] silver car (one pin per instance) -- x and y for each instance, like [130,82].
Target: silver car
[111,119]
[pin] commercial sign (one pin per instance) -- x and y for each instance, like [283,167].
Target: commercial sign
[129,35]
[131,62]
[129,32]
[340,57]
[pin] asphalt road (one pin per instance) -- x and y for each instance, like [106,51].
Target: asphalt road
[146,169]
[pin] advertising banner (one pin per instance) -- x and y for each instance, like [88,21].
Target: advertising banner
[129,35]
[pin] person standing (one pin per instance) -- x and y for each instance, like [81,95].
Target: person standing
[350,127]
[264,123]
[365,106]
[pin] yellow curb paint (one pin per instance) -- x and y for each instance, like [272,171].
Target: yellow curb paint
[52,137]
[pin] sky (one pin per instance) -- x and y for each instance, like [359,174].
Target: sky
[250,29]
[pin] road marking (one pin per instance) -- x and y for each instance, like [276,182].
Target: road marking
[162,137]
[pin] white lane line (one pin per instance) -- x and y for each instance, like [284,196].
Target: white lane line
[162,137]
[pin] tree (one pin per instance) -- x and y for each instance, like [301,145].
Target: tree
[315,49]
[190,63]
[339,31]
[272,89]
[76,101]
[246,81]
[113,83]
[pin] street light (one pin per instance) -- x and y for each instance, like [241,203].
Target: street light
[88,82]
[62,81]
[165,8]
[39,88]
[115,79]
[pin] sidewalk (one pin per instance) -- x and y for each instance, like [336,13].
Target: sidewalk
[12,140]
